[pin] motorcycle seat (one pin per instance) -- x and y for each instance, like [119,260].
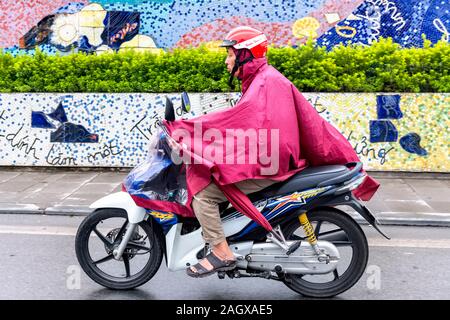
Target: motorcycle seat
[305,179]
[308,178]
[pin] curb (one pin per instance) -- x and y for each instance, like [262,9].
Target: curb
[57,210]
[405,221]
[7,208]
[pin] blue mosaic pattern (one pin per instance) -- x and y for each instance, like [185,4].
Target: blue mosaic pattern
[133,2]
[403,20]
[59,114]
[72,133]
[411,143]
[47,48]
[382,131]
[182,16]
[436,22]
[39,120]
[67,132]
[166,21]
[125,122]
[388,107]
[71,7]
[116,25]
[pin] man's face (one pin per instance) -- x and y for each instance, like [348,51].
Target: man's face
[230,60]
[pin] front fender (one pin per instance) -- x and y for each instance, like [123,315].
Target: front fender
[121,200]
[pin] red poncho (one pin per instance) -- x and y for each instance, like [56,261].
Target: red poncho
[269,101]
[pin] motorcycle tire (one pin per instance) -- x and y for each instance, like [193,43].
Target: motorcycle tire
[357,265]
[87,264]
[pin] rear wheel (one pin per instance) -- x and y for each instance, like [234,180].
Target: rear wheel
[341,230]
[97,237]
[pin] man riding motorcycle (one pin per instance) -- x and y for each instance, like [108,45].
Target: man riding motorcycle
[269,101]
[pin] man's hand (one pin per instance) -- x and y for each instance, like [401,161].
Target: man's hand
[176,148]
[174,145]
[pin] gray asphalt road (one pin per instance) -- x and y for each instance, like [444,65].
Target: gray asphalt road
[38,261]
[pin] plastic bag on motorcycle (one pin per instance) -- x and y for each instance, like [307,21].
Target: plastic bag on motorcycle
[158,177]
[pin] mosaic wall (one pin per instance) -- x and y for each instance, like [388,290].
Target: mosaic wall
[104,25]
[388,131]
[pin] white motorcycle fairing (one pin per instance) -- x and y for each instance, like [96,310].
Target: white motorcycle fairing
[121,200]
[182,249]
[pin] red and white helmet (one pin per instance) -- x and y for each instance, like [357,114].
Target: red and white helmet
[247,38]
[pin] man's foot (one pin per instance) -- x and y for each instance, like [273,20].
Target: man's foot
[211,264]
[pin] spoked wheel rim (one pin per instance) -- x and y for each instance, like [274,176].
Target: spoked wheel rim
[349,240]
[105,240]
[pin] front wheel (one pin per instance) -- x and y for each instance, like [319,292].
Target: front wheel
[97,237]
[338,228]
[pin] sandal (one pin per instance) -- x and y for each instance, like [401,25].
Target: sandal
[218,265]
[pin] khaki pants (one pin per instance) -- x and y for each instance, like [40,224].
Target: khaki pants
[206,207]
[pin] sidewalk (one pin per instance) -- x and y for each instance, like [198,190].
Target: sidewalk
[403,198]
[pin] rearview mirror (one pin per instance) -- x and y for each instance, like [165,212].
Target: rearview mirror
[185,103]
[169,113]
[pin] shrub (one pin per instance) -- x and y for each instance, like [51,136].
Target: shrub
[382,67]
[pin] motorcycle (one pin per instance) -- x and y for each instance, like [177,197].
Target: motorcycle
[315,249]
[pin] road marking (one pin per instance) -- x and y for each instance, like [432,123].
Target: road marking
[45,230]
[417,202]
[71,231]
[411,243]
[39,230]
[407,214]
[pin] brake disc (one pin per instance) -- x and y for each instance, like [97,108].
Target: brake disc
[112,236]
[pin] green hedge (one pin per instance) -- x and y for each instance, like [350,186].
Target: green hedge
[382,67]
